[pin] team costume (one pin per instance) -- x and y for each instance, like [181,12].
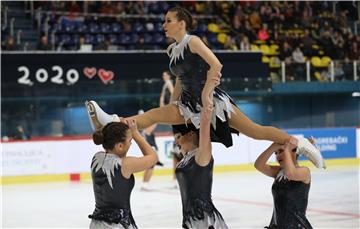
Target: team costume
[112,193]
[290,203]
[192,71]
[195,184]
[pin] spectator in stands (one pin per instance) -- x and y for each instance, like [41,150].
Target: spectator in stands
[315,32]
[308,42]
[289,69]
[230,43]
[298,56]
[245,44]
[338,43]
[354,53]
[10,44]
[348,69]
[20,134]
[339,73]
[104,45]
[44,44]
[140,45]
[249,32]
[299,67]
[255,20]
[285,50]
[265,12]
[327,43]
[263,33]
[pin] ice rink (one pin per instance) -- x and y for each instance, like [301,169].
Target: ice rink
[243,198]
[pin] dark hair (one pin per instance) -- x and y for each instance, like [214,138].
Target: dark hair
[183,128]
[183,14]
[111,134]
[167,72]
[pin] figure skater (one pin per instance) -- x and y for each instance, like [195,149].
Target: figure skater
[112,174]
[195,66]
[194,173]
[290,188]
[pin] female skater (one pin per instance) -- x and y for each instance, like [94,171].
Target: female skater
[112,174]
[194,173]
[195,65]
[290,188]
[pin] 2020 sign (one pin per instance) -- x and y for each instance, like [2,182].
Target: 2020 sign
[42,76]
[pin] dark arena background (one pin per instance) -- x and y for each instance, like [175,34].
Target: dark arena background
[289,64]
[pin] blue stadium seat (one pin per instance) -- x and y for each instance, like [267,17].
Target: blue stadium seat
[70,28]
[93,28]
[89,39]
[138,27]
[115,27]
[212,38]
[201,28]
[65,39]
[82,28]
[159,38]
[124,39]
[99,38]
[158,27]
[113,39]
[148,39]
[134,38]
[105,28]
[154,8]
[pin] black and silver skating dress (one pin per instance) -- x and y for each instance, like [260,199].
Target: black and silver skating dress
[112,193]
[192,71]
[195,184]
[290,203]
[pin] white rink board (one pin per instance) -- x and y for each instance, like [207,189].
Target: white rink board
[74,156]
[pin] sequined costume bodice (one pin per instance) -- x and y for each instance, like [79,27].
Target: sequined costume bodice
[290,203]
[112,191]
[189,67]
[192,70]
[195,181]
[195,184]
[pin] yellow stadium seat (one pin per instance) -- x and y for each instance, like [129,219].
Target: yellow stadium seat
[275,62]
[221,37]
[212,27]
[259,42]
[318,76]
[254,47]
[274,49]
[325,60]
[315,47]
[265,49]
[316,61]
[265,59]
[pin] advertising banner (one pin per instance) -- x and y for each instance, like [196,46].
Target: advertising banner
[333,142]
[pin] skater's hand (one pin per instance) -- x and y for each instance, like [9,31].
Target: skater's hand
[132,124]
[213,79]
[276,146]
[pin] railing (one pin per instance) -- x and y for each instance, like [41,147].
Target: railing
[328,73]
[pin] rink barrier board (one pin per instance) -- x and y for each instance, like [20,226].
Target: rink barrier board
[75,177]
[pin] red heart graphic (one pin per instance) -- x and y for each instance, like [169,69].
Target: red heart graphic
[89,72]
[105,76]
